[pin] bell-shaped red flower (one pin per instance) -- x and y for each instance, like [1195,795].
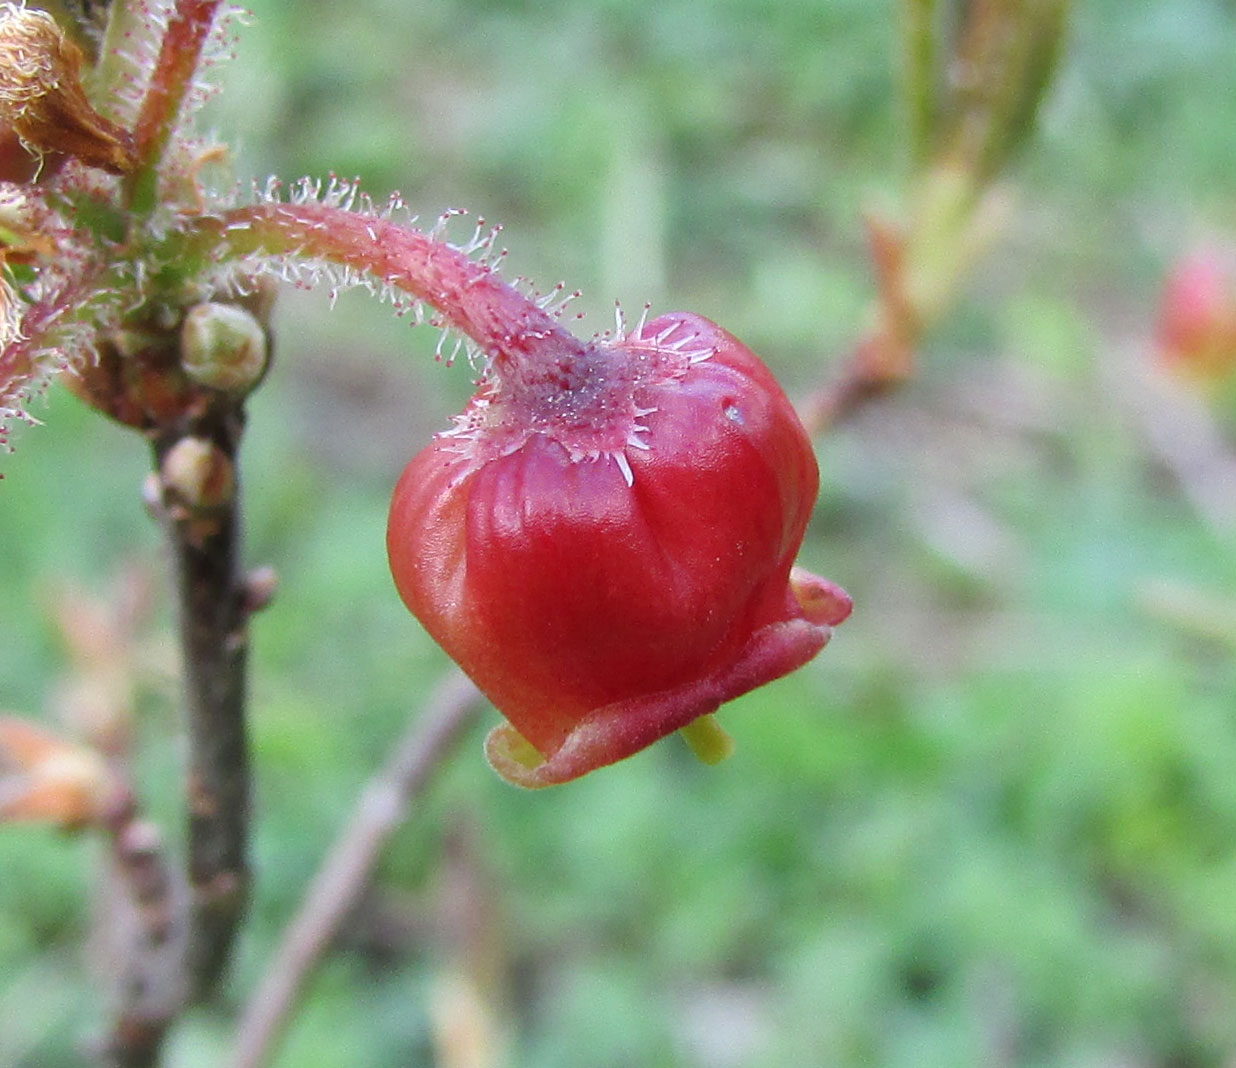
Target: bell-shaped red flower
[605,540]
[605,543]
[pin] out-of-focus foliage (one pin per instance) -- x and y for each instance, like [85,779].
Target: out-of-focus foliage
[993,824]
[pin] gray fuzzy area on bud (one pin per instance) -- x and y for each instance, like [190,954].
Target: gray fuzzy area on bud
[223,346]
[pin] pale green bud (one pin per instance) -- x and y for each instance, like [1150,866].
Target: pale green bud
[223,346]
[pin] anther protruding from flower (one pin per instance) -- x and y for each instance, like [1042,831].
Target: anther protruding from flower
[46,779]
[42,98]
[605,543]
[223,346]
[709,741]
[822,601]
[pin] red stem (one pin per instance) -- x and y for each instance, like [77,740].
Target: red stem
[179,57]
[469,294]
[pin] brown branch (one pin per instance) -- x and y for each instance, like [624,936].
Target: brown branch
[381,809]
[213,619]
[140,924]
[884,357]
[876,366]
[146,914]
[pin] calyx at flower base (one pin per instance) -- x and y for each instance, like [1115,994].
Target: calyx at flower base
[605,542]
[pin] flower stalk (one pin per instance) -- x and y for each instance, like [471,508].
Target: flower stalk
[468,293]
[171,81]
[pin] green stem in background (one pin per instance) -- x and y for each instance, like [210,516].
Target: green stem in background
[1004,62]
[971,97]
[919,84]
[127,23]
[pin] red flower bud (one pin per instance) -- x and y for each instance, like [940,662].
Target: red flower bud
[1197,317]
[604,541]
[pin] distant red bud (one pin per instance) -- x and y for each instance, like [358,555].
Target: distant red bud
[604,543]
[1197,318]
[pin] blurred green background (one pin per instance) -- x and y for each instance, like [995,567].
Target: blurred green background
[993,824]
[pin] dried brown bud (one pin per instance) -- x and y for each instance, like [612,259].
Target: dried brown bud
[45,779]
[42,98]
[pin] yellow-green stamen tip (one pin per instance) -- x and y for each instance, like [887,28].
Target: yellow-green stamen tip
[708,740]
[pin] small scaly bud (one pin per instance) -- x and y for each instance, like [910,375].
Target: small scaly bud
[260,586]
[197,476]
[42,98]
[223,346]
